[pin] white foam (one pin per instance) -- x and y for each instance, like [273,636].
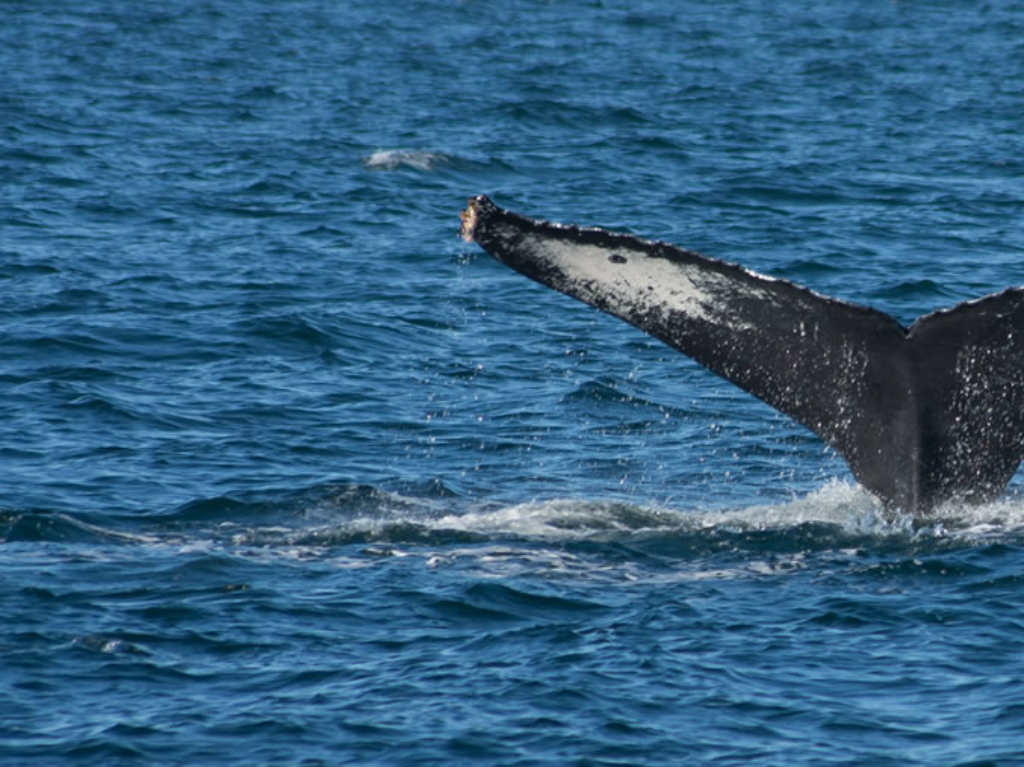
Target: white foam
[839,503]
[390,159]
[530,537]
[847,507]
[554,519]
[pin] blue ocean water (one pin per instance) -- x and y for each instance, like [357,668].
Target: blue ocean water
[293,475]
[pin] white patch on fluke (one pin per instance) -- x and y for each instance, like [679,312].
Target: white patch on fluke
[628,281]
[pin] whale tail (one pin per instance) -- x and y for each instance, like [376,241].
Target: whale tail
[922,415]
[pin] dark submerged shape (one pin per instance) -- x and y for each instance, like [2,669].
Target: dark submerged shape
[922,415]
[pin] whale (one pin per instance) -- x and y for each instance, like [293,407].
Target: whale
[923,415]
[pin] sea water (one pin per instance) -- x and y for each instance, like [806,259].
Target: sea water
[290,474]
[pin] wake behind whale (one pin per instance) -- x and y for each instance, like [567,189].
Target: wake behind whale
[923,415]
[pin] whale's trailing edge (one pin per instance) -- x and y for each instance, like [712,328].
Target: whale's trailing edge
[922,415]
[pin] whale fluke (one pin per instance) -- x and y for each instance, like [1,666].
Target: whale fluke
[922,415]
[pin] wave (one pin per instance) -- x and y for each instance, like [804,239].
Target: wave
[58,527]
[435,521]
[836,515]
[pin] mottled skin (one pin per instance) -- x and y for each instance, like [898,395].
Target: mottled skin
[923,415]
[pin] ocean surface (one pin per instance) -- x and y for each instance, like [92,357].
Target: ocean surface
[291,474]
